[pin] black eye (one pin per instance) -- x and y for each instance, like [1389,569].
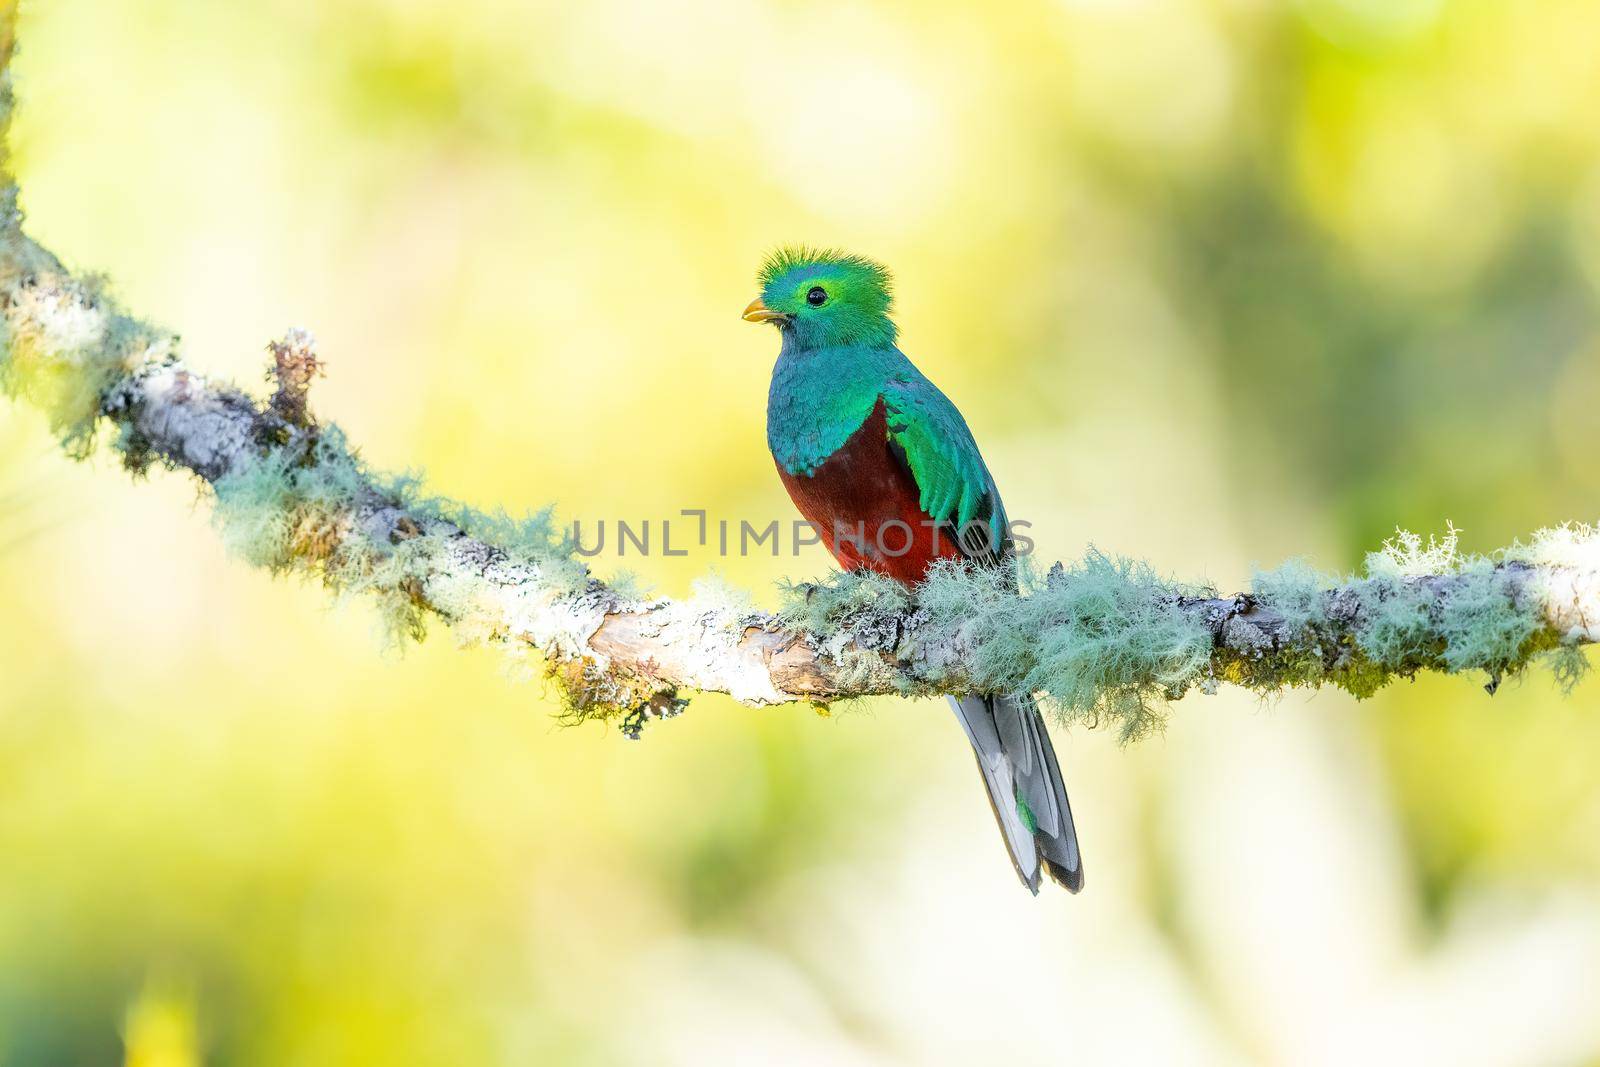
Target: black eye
[817,296]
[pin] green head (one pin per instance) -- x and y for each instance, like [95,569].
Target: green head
[824,297]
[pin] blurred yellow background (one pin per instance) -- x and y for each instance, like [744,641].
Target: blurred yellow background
[1216,283]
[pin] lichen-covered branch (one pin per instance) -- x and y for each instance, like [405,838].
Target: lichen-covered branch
[1101,639]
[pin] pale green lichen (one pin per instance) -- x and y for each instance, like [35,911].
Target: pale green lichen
[1426,605]
[1429,606]
[1098,641]
[843,597]
[1482,624]
[845,603]
[1295,591]
[1108,640]
[1110,644]
[290,508]
[1394,626]
[282,506]
[860,602]
[533,538]
[712,595]
[1568,665]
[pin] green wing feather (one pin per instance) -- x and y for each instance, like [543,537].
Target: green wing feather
[953,484]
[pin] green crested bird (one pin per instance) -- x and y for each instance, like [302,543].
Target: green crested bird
[883,465]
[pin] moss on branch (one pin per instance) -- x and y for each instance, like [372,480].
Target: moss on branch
[1107,640]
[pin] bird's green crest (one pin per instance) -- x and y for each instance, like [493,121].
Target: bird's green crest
[829,297]
[797,258]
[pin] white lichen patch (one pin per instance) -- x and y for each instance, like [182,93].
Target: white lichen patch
[62,323]
[702,638]
[1406,556]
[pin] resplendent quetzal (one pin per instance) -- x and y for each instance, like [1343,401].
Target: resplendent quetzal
[883,465]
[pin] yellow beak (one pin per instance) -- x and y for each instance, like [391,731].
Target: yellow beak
[759,312]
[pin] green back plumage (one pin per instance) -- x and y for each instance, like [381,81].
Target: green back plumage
[838,358]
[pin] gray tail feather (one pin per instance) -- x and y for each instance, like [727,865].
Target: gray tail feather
[1025,788]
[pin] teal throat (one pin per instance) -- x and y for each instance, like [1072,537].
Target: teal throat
[820,396]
